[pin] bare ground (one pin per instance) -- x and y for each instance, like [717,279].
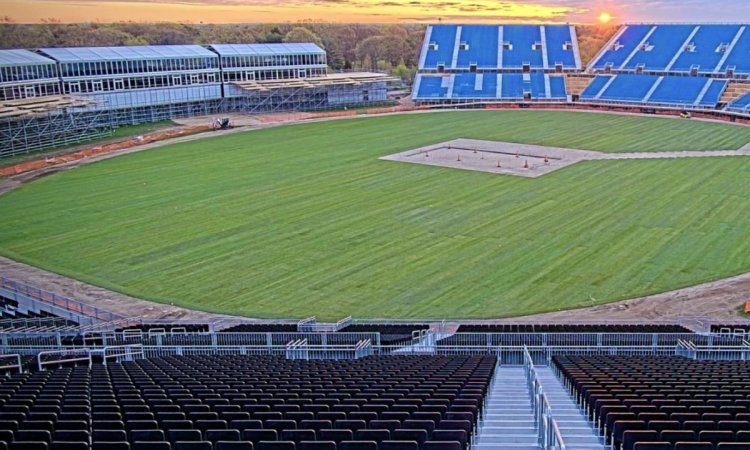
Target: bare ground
[718,300]
[525,160]
[95,296]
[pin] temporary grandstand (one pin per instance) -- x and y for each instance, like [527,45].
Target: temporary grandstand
[58,96]
[35,113]
[680,66]
[677,49]
[647,66]
[463,63]
[76,378]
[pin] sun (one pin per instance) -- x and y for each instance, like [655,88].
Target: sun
[605,17]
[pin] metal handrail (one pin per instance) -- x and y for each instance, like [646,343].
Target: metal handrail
[559,442]
[127,351]
[41,364]
[18,365]
[53,299]
[549,434]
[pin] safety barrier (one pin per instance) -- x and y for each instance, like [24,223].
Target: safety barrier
[60,301]
[548,431]
[121,353]
[564,339]
[66,356]
[300,349]
[690,350]
[11,362]
[310,325]
[31,322]
[294,350]
[235,339]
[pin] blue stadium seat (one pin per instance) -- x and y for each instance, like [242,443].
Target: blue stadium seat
[660,47]
[465,85]
[738,57]
[481,47]
[622,46]
[558,36]
[741,104]
[512,86]
[596,85]
[629,88]
[678,90]
[431,86]
[521,39]
[441,41]
[557,84]
[703,49]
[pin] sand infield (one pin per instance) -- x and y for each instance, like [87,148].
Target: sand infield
[526,160]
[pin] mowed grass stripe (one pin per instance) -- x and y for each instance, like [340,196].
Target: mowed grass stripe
[302,220]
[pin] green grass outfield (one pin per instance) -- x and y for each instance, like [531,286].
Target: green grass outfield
[304,220]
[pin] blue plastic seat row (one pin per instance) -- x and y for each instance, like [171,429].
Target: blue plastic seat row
[499,47]
[741,104]
[490,86]
[710,49]
[658,90]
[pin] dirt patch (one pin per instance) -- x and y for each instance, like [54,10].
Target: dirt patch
[719,301]
[527,160]
[95,296]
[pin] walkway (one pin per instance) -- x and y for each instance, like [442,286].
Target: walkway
[576,431]
[509,421]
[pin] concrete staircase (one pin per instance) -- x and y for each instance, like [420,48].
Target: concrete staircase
[576,431]
[509,420]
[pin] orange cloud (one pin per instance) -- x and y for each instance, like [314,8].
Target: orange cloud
[249,11]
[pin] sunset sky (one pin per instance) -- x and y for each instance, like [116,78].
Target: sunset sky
[226,11]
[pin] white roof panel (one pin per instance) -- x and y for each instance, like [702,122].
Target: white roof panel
[267,49]
[19,57]
[131,53]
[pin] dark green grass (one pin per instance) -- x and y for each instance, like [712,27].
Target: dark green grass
[301,220]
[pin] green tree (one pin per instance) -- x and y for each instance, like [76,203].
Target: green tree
[301,34]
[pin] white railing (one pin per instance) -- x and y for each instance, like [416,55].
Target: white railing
[11,361]
[310,325]
[548,431]
[690,350]
[67,356]
[60,301]
[122,353]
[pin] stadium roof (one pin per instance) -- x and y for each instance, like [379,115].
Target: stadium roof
[267,49]
[22,58]
[132,53]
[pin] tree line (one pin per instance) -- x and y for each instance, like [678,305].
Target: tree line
[386,47]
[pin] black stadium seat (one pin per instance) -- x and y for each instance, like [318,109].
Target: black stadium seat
[652,446]
[357,445]
[316,445]
[149,445]
[200,402]
[398,445]
[693,446]
[704,400]
[275,445]
[233,445]
[196,445]
[69,445]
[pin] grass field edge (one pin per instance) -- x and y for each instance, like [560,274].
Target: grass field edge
[115,288]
